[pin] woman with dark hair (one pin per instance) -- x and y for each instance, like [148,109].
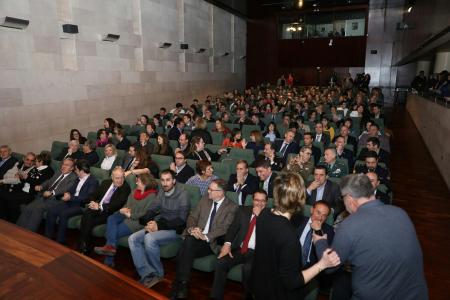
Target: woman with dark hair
[75,134]
[126,220]
[143,120]
[151,130]
[162,146]
[256,142]
[271,132]
[327,127]
[109,125]
[102,138]
[277,269]
[199,152]
[220,127]
[143,164]
[235,140]
[204,176]
[36,176]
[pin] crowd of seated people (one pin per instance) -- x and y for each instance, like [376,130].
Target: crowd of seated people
[322,134]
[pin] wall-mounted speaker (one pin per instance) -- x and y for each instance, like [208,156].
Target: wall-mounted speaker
[16,23]
[111,37]
[184,46]
[70,28]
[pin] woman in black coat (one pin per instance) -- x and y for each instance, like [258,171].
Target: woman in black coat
[200,131]
[277,269]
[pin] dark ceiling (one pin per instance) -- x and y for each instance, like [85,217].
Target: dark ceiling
[257,8]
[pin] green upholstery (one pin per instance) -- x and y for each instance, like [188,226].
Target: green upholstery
[57,147]
[132,139]
[233,196]
[213,148]
[55,165]
[235,273]
[335,180]
[307,213]
[221,170]
[192,163]
[170,250]
[136,130]
[217,138]
[246,129]
[18,156]
[99,230]
[74,222]
[101,155]
[126,128]
[92,136]
[173,144]
[163,161]
[194,194]
[246,154]
[206,263]
[99,174]
[123,242]
[131,180]
[210,126]
[252,171]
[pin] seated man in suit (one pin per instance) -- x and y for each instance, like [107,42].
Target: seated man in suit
[72,201]
[52,192]
[109,198]
[335,169]
[164,220]
[122,142]
[182,170]
[266,177]
[183,144]
[144,143]
[89,152]
[371,165]
[7,161]
[348,139]
[375,183]
[256,121]
[342,152]
[242,182]
[242,120]
[206,227]
[270,155]
[239,245]
[374,131]
[287,146]
[73,151]
[176,130]
[129,159]
[320,135]
[323,189]
[308,140]
[373,144]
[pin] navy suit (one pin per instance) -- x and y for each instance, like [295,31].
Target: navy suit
[270,188]
[174,133]
[291,148]
[65,210]
[331,195]
[249,187]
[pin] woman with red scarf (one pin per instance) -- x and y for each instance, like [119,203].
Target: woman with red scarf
[126,220]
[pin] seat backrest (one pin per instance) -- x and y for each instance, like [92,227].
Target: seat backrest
[57,147]
[133,139]
[194,194]
[246,154]
[217,138]
[99,174]
[131,180]
[221,170]
[163,161]
[92,136]
[55,165]
[18,156]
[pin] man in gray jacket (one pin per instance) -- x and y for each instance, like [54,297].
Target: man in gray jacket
[52,191]
[164,220]
[380,244]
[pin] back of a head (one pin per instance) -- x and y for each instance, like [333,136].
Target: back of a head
[357,186]
[289,192]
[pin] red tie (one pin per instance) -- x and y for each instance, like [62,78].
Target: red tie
[244,247]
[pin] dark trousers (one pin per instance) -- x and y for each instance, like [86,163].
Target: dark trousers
[11,203]
[224,265]
[90,219]
[342,285]
[63,211]
[191,248]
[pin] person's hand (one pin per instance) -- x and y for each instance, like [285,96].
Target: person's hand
[314,185]
[38,188]
[23,175]
[240,179]
[226,250]
[66,197]
[317,237]
[124,210]
[172,166]
[329,259]
[151,226]
[94,205]
[47,194]
[244,143]
[316,225]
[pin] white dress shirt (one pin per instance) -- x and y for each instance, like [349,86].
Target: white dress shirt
[108,162]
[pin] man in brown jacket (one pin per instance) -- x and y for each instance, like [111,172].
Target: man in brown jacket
[206,227]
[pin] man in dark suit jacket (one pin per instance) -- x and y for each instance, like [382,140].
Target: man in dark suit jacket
[109,198]
[176,130]
[89,152]
[371,165]
[239,245]
[383,197]
[242,182]
[127,163]
[182,170]
[206,227]
[348,139]
[321,136]
[73,151]
[52,191]
[323,189]
[308,140]
[288,145]
[270,155]
[72,201]
[266,177]
[144,143]
[373,144]
[7,161]
[123,143]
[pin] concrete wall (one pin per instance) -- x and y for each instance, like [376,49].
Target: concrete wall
[52,81]
[433,122]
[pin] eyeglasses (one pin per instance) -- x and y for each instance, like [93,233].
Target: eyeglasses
[211,190]
[179,157]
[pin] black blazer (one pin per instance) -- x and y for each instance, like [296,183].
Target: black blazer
[124,144]
[174,133]
[316,154]
[6,166]
[382,197]
[270,192]
[203,133]
[331,195]
[291,148]
[87,190]
[118,199]
[348,155]
[186,173]
[277,164]
[76,155]
[238,229]
[383,156]
[300,222]
[195,156]
[325,139]
[251,185]
[91,157]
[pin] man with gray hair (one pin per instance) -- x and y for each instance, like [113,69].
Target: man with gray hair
[72,151]
[380,243]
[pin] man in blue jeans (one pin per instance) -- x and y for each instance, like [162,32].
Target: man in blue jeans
[165,219]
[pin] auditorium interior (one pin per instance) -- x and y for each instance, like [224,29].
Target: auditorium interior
[246,73]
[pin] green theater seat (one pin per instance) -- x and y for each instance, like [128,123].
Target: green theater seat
[205,263]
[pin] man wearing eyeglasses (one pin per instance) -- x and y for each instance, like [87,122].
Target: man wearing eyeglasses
[206,227]
[182,170]
[183,143]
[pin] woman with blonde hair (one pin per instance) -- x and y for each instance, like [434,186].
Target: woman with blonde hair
[277,269]
[111,160]
[200,131]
